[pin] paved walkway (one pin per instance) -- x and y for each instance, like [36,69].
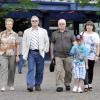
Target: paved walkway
[48,88]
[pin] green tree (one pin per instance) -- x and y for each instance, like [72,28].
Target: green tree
[87,2]
[22,5]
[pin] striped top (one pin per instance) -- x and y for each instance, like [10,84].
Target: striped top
[34,43]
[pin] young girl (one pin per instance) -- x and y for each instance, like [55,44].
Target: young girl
[79,53]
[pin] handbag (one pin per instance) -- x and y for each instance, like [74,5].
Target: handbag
[52,65]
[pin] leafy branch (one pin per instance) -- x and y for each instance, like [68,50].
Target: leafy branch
[87,2]
[22,5]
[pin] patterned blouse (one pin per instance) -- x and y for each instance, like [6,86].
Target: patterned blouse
[8,43]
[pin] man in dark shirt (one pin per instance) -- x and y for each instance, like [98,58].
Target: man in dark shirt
[61,43]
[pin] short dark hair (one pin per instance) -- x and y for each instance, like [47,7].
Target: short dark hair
[89,23]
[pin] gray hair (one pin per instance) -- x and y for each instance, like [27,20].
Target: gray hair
[9,20]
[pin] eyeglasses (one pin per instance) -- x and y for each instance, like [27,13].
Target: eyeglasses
[34,20]
[61,24]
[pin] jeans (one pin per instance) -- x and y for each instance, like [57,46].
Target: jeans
[20,63]
[35,69]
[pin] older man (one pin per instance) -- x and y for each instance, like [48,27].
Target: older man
[61,43]
[35,45]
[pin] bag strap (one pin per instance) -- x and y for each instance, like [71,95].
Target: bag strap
[82,33]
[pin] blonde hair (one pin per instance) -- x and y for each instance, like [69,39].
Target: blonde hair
[9,20]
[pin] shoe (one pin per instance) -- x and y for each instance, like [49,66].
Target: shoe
[85,89]
[80,90]
[12,88]
[68,88]
[30,89]
[2,89]
[59,89]
[75,89]
[37,88]
[90,88]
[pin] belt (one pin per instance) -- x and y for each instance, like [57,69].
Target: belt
[36,50]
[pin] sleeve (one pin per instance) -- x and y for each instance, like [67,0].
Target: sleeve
[72,52]
[17,38]
[17,44]
[53,37]
[97,39]
[24,46]
[46,42]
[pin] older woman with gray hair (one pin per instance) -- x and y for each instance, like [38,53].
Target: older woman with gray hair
[9,54]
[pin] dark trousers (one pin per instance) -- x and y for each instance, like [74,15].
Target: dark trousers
[89,72]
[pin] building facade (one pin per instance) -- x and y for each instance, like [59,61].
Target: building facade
[49,11]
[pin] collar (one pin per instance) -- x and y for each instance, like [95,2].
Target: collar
[9,32]
[34,29]
[66,30]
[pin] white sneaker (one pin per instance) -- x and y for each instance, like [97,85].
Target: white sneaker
[80,90]
[75,89]
[12,88]
[90,85]
[3,89]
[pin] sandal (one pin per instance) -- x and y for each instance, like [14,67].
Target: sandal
[90,88]
[85,89]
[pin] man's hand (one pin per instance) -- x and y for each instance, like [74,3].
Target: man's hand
[52,56]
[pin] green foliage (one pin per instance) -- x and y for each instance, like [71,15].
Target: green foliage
[22,5]
[86,2]
[27,4]
[98,4]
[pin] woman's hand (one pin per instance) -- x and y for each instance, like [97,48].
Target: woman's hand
[17,58]
[96,58]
